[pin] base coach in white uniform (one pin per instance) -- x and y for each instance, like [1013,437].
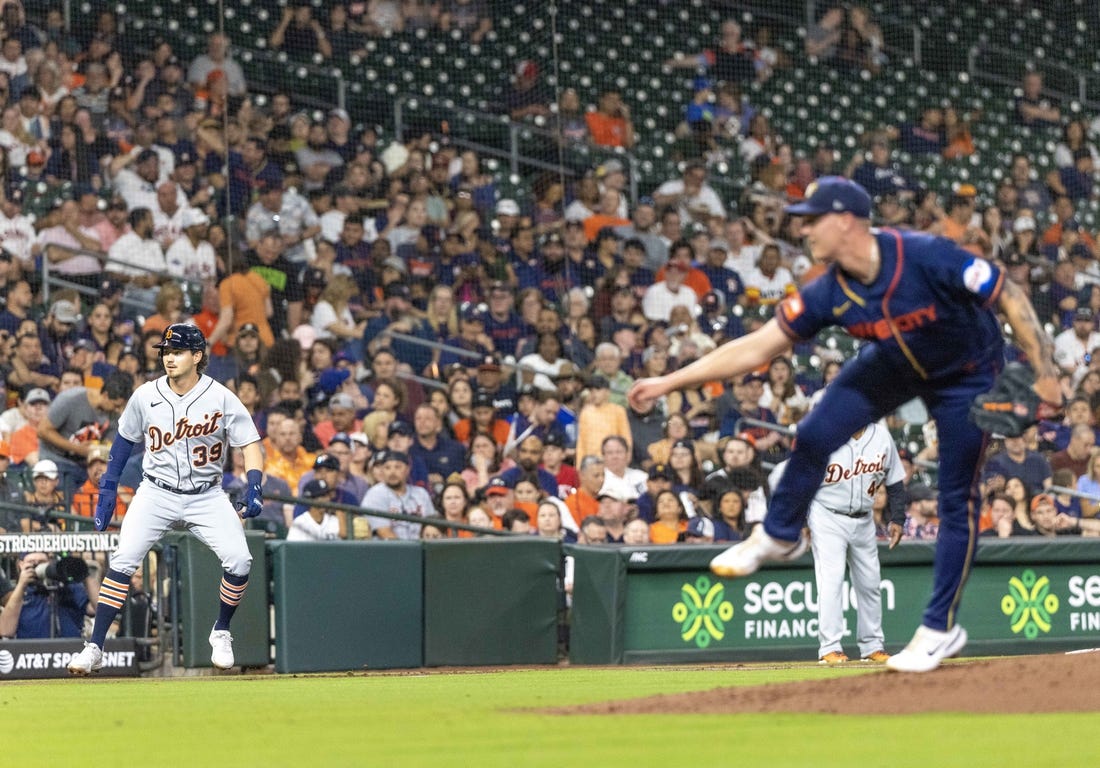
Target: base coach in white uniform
[843,533]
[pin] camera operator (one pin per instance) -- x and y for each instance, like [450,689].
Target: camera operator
[50,598]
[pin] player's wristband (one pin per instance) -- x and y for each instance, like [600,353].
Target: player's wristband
[254,476]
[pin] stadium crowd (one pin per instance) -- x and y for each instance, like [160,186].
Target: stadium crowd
[409,340]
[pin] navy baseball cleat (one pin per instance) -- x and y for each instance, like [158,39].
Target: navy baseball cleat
[90,659]
[221,649]
[759,548]
[928,648]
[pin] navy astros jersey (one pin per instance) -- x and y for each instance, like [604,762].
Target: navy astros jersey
[931,305]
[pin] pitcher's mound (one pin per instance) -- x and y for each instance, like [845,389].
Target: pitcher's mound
[1018,684]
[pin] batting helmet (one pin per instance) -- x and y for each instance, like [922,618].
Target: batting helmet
[182,336]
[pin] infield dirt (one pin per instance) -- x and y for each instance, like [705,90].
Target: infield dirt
[1015,685]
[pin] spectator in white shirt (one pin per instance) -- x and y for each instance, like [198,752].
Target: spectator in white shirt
[137,260]
[691,195]
[662,296]
[317,523]
[191,257]
[168,214]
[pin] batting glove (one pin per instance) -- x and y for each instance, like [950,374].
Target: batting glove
[105,506]
[253,496]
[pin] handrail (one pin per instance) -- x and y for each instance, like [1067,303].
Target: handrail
[440,521]
[51,277]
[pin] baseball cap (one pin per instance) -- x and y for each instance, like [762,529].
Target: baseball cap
[527,390]
[383,456]
[508,207]
[700,526]
[1039,499]
[1080,251]
[314,277]
[489,363]
[483,399]
[326,461]
[496,487]
[193,217]
[109,287]
[568,370]
[554,438]
[34,157]
[316,489]
[608,168]
[684,443]
[396,291]
[833,194]
[342,400]
[248,329]
[331,379]
[341,437]
[1023,224]
[45,468]
[599,382]
[753,377]
[618,494]
[1071,225]
[399,428]
[86,344]
[660,472]
[65,312]
[472,312]
[145,156]
[395,262]
[37,395]
[340,113]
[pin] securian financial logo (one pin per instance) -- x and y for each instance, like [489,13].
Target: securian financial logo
[1029,604]
[702,612]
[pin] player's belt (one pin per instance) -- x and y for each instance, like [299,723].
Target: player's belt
[169,487]
[856,515]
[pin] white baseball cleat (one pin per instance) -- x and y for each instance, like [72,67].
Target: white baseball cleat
[927,649]
[759,548]
[221,644]
[90,659]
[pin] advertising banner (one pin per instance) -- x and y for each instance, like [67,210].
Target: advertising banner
[29,659]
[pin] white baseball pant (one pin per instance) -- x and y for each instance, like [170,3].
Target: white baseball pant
[209,515]
[840,540]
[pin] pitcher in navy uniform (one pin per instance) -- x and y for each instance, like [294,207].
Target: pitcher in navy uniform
[926,308]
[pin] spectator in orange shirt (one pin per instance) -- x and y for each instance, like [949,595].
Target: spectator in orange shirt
[86,497]
[484,420]
[606,215]
[289,460]
[244,297]
[671,519]
[584,502]
[24,439]
[610,124]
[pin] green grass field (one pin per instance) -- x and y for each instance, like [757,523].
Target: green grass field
[471,719]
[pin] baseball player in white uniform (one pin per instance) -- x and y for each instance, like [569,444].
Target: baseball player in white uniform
[843,532]
[189,423]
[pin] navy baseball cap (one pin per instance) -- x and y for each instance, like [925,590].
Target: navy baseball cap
[326,461]
[399,428]
[833,194]
[316,489]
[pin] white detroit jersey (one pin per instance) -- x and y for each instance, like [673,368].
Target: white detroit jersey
[186,436]
[855,471]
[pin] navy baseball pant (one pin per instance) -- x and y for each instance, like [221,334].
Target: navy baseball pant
[869,387]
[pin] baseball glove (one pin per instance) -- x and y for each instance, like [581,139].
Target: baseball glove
[1011,406]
